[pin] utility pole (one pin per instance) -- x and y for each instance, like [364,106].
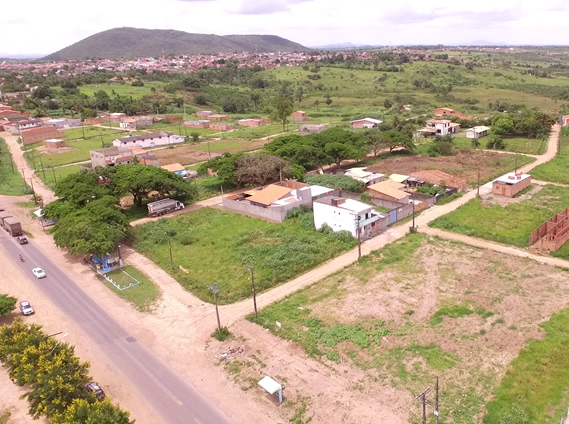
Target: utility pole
[477,189]
[215,290]
[436,412]
[423,398]
[516,163]
[42,169]
[359,238]
[171,258]
[413,214]
[250,268]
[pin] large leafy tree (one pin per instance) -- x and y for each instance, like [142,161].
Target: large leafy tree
[225,167]
[7,304]
[83,412]
[259,168]
[80,188]
[394,139]
[282,105]
[16,337]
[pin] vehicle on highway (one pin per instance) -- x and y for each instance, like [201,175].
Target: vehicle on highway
[26,308]
[22,240]
[38,272]
[95,388]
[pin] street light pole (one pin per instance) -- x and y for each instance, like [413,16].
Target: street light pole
[250,268]
[215,290]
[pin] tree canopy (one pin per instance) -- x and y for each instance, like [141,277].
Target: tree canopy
[7,304]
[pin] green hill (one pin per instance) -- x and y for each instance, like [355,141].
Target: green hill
[135,42]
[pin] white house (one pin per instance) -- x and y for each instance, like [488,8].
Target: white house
[438,127]
[477,132]
[346,215]
[366,123]
[366,177]
[146,141]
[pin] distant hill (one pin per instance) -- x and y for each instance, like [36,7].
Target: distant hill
[135,42]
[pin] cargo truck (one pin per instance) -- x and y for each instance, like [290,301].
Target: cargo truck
[13,226]
[3,216]
[164,206]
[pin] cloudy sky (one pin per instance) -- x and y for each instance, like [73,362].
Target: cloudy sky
[35,27]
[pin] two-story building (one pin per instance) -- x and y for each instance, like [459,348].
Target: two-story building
[359,219]
[438,127]
[111,156]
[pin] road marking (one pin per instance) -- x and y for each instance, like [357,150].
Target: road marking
[198,421]
[178,401]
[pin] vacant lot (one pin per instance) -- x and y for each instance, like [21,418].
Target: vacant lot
[11,182]
[463,164]
[192,153]
[386,327]
[213,246]
[504,220]
[556,169]
[50,176]
[513,144]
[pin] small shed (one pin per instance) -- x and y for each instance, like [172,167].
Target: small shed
[54,143]
[272,387]
[299,115]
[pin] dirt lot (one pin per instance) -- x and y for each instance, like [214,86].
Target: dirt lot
[463,164]
[188,154]
[426,307]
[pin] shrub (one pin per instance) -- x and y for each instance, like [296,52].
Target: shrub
[222,334]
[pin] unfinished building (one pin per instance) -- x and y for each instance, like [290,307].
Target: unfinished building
[552,234]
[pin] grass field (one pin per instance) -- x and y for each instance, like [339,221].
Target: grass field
[412,311]
[213,246]
[510,224]
[50,176]
[142,296]
[11,182]
[122,89]
[513,144]
[556,169]
[253,133]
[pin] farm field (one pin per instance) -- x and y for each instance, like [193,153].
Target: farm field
[506,220]
[556,169]
[419,308]
[213,245]
[463,164]
[11,182]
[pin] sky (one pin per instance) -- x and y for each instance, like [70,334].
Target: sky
[38,27]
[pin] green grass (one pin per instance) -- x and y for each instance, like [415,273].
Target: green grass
[122,89]
[513,144]
[258,132]
[537,381]
[457,311]
[50,176]
[509,225]
[11,182]
[556,169]
[213,246]
[142,296]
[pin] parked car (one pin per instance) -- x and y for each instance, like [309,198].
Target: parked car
[22,240]
[26,308]
[95,388]
[38,272]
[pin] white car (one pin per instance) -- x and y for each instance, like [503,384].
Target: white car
[38,272]
[26,308]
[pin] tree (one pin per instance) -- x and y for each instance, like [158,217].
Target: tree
[102,100]
[16,337]
[328,100]
[259,168]
[224,166]
[387,104]
[335,181]
[341,151]
[200,100]
[81,188]
[317,103]
[300,94]
[503,125]
[195,137]
[7,304]
[256,99]
[374,140]
[282,106]
[496,142]
[394,139]
[83,412]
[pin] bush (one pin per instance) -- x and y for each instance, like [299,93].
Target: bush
[496,142]
[222,334]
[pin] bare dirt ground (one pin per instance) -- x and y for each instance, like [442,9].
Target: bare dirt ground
[463,164]
[518,293]
[492,199]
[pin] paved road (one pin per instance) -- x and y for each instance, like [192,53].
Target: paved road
[175,401]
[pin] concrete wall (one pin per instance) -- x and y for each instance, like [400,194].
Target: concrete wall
[552,234]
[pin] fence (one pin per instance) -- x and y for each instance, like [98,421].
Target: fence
[117,285]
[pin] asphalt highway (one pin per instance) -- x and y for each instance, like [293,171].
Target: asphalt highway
[174,400]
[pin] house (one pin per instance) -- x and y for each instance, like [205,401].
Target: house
[25,124]
[53,143]
[435,177]
[111,156]
[221,126]
[366,177]
[366,123]
[171,118]
[307,129]
[399,178]
[438,127]
[217,117]
[564,120]
[202,123]
[272,202]
[477,132]
[136,122]
[447,111]
[116,117]
[389,190]
[203,114]
[299,116]
[35,135]
[62,122]
[359,219]
[179,169]
[253,122]
[93,121]
[511,184]
[162,138]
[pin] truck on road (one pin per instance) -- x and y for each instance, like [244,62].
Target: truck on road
[13,226]
[164,206]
